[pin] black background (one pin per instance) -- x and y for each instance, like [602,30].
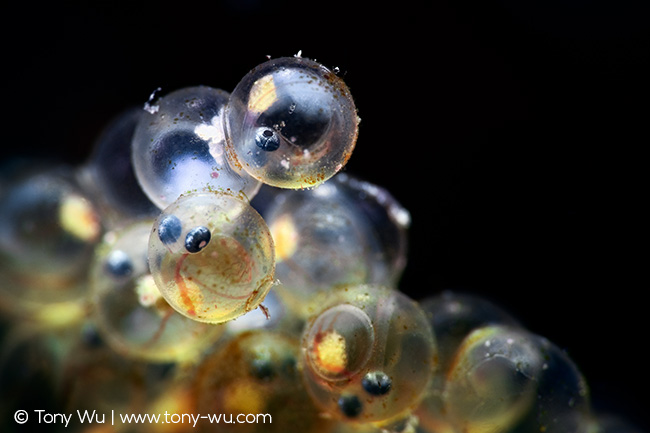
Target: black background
[513,133]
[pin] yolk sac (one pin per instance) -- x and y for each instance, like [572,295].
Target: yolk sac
[340,342]
[197,239]
[169,229]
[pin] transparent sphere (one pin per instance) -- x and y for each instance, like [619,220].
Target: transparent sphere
[368,354]
[291,123]
[130,312]
[387,223]
[492,382]
[261,378]
[178,147]
[109,176]
[344,231]
[211,256]
[49,228]
[452,317]
[562,403]
[319,242]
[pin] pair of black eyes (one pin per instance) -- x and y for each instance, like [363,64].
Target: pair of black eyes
[375,383]
[170,229]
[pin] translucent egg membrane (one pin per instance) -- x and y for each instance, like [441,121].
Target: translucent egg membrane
[291,123]
[368,354]
[212,256]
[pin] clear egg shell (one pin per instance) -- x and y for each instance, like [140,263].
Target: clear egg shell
[49,228]
[109,176]
[319,243]
[291,123]
[387,223]
[212,257]
[492,381]
[562,402]
[368,354]
[178,147]
[452,317]
[341,232]
[130,312]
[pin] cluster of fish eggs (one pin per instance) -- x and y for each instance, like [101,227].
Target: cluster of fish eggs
[211,257]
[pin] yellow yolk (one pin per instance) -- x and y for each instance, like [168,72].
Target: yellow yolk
[147,291]
[330,353]
[78,218]
[262,94]
[285,237]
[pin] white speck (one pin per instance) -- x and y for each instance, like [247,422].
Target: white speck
[324,190]
[336,69]
[148,106]
[152,109]
[401,215]
[510,341]
[110,237]
[298,54]
[285,164]
[488,343]
[211,132]
[545,366]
